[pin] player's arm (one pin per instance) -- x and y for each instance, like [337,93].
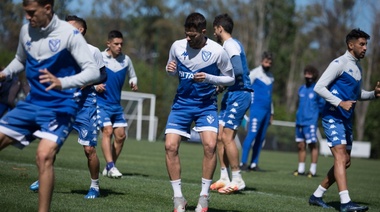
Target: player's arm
[90,72]
[369,95]
[132,76]
[226,77]
[332,72]
[171,66]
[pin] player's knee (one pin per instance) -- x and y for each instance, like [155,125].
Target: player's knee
[44,158]
[89,151]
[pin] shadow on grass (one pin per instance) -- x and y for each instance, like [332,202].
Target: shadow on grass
[192,208]
[336,204]
[135,174]
[103,192]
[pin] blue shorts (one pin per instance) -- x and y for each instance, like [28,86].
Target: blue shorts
[86,123]
[306,133]
[180,120]
[234,105]
[338,132]
[111,116]
[26,122]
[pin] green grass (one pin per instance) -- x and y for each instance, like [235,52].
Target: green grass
[146,187]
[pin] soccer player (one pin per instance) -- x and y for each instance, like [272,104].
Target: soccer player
[340,86]
[260,112]
[111,116]
[310,106]
[200,64]
[56,59]
[86,119]
[234,106]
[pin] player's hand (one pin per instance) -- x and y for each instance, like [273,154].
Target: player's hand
[347,105]
[100,88]
[47,77]
[172,66]
[134,87]
[199,77]
[377,89]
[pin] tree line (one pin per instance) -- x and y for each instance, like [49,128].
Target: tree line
[312,34]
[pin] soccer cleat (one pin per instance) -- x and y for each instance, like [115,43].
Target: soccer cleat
[296,173]
[179,204]
[114,173]
[34,186]
[313,200]
[244,168]
[310,175]
[351,206]
[202,204]
[235,185]
[92,194]
[105,172]
[219,184]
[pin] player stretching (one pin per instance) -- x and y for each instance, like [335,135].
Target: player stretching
[200,64]
[234,106]
[340,86]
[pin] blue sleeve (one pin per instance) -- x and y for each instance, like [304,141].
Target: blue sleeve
[236,64]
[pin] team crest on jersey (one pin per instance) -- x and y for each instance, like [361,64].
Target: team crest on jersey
[210,119]
[206,55]
[76,32]
[28,45]
[84,132]
[54,44]
[53,125]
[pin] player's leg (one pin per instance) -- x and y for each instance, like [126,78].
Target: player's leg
[45,162]
[259,141]
[119,138]
[301,150]
[313,147]
[5,141]
[247,143]
[223,162]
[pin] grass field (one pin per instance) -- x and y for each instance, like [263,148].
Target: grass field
[145,185]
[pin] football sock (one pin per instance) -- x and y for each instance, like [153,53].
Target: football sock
[224,173]
[301,168]
[95,184]
[205,187]
[176,185]
[313,168]
[320,191]
[236,175]
[344,197]
[110,165]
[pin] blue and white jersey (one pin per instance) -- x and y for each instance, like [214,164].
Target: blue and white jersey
[211,59]
[233,48]
[117,70]
[88,94]
[341,81]
[65,55]
[262,84]
[310,106]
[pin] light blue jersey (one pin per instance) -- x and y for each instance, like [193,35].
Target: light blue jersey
[341,81]
[235,101]
[197,101]
[62,54]
[310,106]
[117,70]
[234,48]
[62,50]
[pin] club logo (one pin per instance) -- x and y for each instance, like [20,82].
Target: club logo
[206,55]
[210,119]
[53,125]
[54,44]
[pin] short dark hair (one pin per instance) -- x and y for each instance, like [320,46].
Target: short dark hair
[267,55]
[114,34]
[225,21]
[356,34]
[40,2]
[78,20]
[195,20]
[312,70]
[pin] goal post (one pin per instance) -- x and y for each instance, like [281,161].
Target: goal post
[134,111]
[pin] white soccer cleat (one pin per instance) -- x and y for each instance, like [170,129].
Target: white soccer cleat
[114,173]
[219,184]
[105,172]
